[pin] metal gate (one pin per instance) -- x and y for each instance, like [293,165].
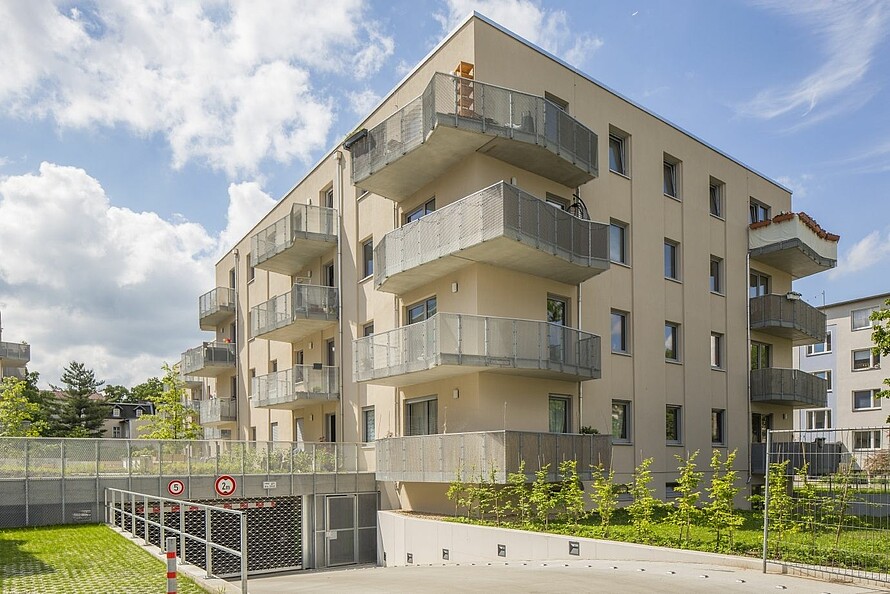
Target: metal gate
[349,528]
[826,502]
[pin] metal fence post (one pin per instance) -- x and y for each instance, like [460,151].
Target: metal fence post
[171,565]
[208,551]
[133,514]
[243,552]
[27,481]
[766,499]
[182,531]
[162,520]
[145,519]
[62,454]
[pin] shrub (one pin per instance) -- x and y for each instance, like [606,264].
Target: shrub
[604,496]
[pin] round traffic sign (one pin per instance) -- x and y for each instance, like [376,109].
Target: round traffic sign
[225,485]
[176,487]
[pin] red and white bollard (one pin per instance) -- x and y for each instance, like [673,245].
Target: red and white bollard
[171,565]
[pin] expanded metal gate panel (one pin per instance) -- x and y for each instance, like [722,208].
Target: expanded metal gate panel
[827,502]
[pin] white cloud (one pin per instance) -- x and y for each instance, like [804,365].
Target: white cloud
[117,289]
[799,185]
[529,19]
[872,249]
[362,102]
[850,33]
[223,81]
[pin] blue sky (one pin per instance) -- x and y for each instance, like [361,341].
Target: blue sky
[140,138]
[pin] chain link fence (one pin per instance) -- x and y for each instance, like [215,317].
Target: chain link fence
[827,502]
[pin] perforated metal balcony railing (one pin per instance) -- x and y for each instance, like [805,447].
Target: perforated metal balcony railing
[303,310]
[793,318]
[500,225]
[455,117]
[218,411]
[296,387]
[788,387]
[211,359]
[216,307]
[451,344]
[440,458]
[291,243]
[15,354]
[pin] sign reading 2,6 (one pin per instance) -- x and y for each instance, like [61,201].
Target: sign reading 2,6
[225,485]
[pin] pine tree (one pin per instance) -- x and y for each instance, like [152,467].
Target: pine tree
[79,415]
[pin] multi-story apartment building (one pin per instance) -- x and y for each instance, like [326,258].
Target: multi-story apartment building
[504,244]
[853,373]
[14,358]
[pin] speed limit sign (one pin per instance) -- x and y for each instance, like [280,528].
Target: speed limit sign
[175,487]
[225,485]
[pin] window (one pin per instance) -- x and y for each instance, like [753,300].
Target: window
[368,329]
[716,274]
[559,414]
[557,201]
[820,348]
[670,179]
[865,400]
[619,332]
[330,427]
[618,154]
[330,349]
[367,257]
[251,271]
[671,260]
[420,311]
[116,412]
[368,432]
[233,387]
[865,359]
[861,317]
[819,418]
[138,412]
[298,357]
[421,211]
[618,242]
[718,425]
[620,421]
[761,355]
[421,416]
[760,425]
[273,432]
[716,191]
[716,350]
[757,212]
[116,432]
[558,318]
[557,101]
[670,489]
[672,424]
[867,440]
[327,197]
[758,284]
[826,375]
[328,276]
[273,365]
[671,341]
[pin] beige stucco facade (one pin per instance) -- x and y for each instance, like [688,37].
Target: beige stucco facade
[508,397]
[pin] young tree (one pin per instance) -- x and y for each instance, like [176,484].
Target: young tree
[720,510]
[571,492]
[172,419]
[518,495]
[880,335]
[541,497]
[18,415]
[604,496]
[642,508]
[80,415]
[686,512]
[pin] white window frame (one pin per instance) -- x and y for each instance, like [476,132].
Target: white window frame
[623,228]
[874,361]
[869,324]
[625,405]
[621,141]
[367,262]
[625,334]
[676,340]
[874,440]
[716,282]
[675,264]
[826,377]
[717,347]
[811,418]
[678,422]
[874,402]
[826,346]
[671,168]
[719,188]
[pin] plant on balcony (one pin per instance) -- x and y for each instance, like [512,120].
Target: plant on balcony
[686,513]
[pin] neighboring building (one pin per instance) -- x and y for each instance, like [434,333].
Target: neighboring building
[452,267]
[853,373]
[14,359]
[125,419]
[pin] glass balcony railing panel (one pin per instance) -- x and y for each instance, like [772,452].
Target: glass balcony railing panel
[788,317]
[15,351]
[303,302]
[300,383]
[304,222]
[789,387]
[208,355]
[216,300]
[16,372]
[218,410]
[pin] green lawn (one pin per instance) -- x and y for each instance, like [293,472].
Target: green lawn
[73,559]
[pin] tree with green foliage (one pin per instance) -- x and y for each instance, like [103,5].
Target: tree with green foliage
[81,413]
[150,388]
[571,492]
[604,496]
[115,393]
[18,415]
[541,497]
[780,509]
[880,335]
[456,490]
[642,508]
[172,419]
[685,512]
[720,510]
[518,495]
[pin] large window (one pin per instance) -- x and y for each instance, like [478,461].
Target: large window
[367,257]
[760,426]
[421,416]
[368,426]
[558,316]
[865,359]
[716,350]
[757,211]
[867,440]
[619,332]
[420,311]
[866,400]
[718,426]
[618,154]
[670,178]
[759,284]
[819,418]
[716,191]
[761,355]
[421,211]
[559,414]
[273,432]
[672,424]
[618,242]
[716,274]
[621,421]
[821,347]
[671,341]
[671,259]
[861,318]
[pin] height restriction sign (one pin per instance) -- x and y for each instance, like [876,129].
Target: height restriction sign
[225,485]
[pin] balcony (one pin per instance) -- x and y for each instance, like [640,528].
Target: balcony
[440,458]
[793,243]
[819,457]
[297,387]
[218,411]
[501,226]
[216,307]
[291,243]
[792,318]
[290,317]
[788,387]
[16,372]
[15,354]
[448,344]
[455,117]
[211,359]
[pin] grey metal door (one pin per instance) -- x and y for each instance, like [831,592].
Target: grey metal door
[340,534]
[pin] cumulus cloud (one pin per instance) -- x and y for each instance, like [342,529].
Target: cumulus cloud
[850,33]
[529,19]
[83,279]
[362,102]
[872,249]
[224,83]
[799,185]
